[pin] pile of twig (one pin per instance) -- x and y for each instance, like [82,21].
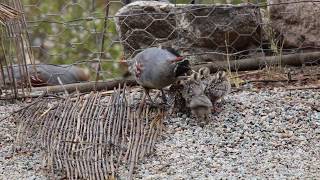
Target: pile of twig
[89,137]
[8,13]
[14,49]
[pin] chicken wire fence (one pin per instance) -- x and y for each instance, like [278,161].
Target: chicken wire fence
[99,36]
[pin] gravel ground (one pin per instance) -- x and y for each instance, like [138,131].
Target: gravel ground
[266,134]
[15,162]
[258,134]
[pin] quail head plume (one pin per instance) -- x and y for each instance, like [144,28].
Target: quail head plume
[156,68]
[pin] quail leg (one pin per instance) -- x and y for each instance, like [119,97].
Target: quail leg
[147,93]
[216,108]
[164,99]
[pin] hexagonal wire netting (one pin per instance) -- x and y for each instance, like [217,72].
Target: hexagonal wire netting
[97,37]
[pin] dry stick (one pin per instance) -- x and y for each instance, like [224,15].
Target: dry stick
[106,131]
[131,136]
[83,150]
[87,86]
[304,87]
[124,111]
[105,117]
[115,117]
[60,131]
[47,133]
[110,132]
[70,136]
[140,132]
[86,134]
[128,121]
[119,124]
[115,136]
[269,81]
[109,136]
[145,134]
[119,117]
[90,133]
[53,140]
[79,155]
[98,139]
[78,168]
[134,147]
[48,137]
[149,136]
[257,63]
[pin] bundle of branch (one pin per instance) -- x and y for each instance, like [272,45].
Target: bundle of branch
[8,13]
[91,136]
[15,48]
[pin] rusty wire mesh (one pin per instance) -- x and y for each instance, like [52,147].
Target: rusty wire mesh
[90,136]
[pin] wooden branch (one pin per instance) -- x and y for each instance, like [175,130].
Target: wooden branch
[87,86]
[259,62]
[304,87]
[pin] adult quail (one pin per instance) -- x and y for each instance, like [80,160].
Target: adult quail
[45,74]
[216,86]
[156,68]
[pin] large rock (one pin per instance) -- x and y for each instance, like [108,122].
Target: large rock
[194,29]
[297,25]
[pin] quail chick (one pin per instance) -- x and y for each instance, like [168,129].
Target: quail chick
[216,86]
[196,100]
[156,68]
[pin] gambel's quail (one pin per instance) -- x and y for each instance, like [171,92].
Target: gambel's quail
[45,74]
[156,68]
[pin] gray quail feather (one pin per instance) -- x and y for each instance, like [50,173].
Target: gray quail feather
[46,74]
[156,68]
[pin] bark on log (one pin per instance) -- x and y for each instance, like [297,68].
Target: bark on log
[260,62]
[87,87]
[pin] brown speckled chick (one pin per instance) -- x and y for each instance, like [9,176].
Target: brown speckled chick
[216,86]
[196,100]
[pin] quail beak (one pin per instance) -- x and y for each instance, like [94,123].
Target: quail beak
[178,59]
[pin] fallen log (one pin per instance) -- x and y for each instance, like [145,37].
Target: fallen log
[260,62]
[87,86]
[239,65]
